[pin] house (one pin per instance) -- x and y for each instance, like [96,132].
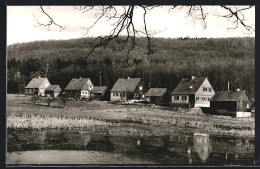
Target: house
[157,96]
[193,92]
[127,89]
[100,93]
[37,86]
[235,103]
[79,88]
[53,90]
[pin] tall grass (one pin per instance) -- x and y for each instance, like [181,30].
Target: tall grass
[43,122]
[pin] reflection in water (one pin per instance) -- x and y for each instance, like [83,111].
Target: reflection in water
[202,145]
[174,148]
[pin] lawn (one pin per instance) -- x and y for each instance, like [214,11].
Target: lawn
[21,113]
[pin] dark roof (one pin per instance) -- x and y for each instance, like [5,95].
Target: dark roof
[77,84]
[51,87]
[35,83]
[125,85]
[99,89]
[228,95]
[156,92]
[184,87]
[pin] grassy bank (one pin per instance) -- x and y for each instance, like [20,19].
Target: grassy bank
[104,115]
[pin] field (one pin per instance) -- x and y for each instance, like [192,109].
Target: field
[122,119]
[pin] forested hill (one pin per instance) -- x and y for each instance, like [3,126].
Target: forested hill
[221,60]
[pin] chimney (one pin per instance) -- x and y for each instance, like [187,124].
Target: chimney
[79,77]
[238,89]
[192,77]
[128,77]
[39,77]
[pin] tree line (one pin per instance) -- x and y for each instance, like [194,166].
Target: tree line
[221,60]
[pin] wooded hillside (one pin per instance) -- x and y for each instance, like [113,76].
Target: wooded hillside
[221,60]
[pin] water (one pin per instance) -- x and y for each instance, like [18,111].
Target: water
[82,147]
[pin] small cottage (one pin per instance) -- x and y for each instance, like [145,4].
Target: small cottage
[157,96]
[100,93]
[37,86]
[234,103]
[127,89]
[193,92]
[79,88]
[52,90]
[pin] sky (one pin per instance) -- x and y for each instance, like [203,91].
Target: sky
[22,23]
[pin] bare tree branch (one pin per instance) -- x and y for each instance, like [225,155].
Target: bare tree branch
[51,21]
[123,23]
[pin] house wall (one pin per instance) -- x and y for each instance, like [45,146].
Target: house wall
[203,96]
[138,93]
[73,93]
[244,104]
[43,86]
[30,91]
[118,96]
[88,86]
[224,108]
[155,100]
[84,94]
[180,99]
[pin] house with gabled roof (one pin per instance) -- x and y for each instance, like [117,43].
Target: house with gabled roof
[53,90]
[79,88]
[193,92]
[100,93]
[234,103]
[157,96]
[37,86]
[127,89]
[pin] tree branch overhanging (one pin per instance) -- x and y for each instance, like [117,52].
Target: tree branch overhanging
[122,18]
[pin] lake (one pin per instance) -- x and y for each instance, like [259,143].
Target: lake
[84,147]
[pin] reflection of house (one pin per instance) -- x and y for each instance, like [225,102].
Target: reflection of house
[157,95]
[53,90]
[194,92]
[100,93]
[79,88]
[37,86]
[202,145]
[127,89]
[235,103]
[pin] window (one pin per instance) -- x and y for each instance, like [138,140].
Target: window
[176,97]
[203,98]
[116,94]
[197,98]
[140,88]
[207,89]
[184,97]
[247,106]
